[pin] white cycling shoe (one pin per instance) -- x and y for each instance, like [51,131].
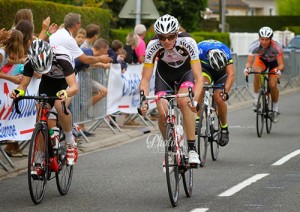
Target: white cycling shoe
[193,157]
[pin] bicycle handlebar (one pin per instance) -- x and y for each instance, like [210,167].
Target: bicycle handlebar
[38,98]
[190,94]
[262,73]
[225,97]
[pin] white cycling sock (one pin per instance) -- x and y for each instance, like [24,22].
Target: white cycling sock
[256,97]
[275,106]
[69,137]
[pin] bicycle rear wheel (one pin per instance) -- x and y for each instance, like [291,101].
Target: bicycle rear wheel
[269,110]
[216,136]
[171,165]
[38,163]
[260,114]
[65,173]
[203,136]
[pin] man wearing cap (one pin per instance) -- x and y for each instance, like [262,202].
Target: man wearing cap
[140,50]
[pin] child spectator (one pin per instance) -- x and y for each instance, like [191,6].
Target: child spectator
[80,37]
[92,33]
[99,48]
[121,59]
[132,40]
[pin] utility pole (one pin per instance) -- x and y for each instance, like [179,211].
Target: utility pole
[138,12]
[222,17]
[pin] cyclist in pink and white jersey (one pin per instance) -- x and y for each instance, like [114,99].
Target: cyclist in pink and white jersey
[177,62]
[269,55]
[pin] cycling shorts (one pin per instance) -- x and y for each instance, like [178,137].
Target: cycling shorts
[216,78]
[272,65]
[50,86]
[167,77]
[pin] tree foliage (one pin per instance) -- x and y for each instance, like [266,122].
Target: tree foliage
[188,13]
[288,7]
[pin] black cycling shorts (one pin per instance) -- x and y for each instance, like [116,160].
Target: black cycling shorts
[166,77]
[50,86]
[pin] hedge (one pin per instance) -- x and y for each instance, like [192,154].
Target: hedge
[57,12]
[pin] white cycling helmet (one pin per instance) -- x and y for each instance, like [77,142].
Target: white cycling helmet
[265,32]
[41,56]
[217,59]
[166,24]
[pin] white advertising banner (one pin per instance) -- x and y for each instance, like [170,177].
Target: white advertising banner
[123,89]
[15,126]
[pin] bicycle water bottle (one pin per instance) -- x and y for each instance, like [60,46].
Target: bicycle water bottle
[180,139]
[54,136]
[213,111]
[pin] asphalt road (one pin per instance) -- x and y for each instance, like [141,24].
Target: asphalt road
[248,175]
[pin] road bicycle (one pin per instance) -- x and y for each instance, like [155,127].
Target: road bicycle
[44,161]
[209,125]
[264,108]
[176,160]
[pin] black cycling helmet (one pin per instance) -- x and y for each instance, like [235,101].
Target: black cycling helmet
[41,56]
[217,59]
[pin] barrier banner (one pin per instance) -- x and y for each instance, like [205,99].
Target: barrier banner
[123,89]
[15,126]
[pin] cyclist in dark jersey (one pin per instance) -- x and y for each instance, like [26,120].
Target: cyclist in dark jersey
[58,78]
[217,68]
[177,62]
[269,55]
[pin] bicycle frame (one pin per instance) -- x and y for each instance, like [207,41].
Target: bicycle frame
[207,118]
[175,160]
[264,105]
[42,158]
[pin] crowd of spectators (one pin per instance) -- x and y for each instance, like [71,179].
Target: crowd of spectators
[83,44]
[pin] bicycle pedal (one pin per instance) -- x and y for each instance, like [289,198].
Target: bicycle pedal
[193,165]
[37,174]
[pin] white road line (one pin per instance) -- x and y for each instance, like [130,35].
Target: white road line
[199,210]
[241,185]
[286,158]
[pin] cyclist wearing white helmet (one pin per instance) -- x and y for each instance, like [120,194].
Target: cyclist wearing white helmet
[58,78]
[177,62]
[269,57]
[217,68]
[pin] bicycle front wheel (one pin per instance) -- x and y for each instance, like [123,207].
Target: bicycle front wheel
[171,165]
[269,110]
[38,163]
[65,173]
[187,177]
[260,113]
[216,136]
[203,136]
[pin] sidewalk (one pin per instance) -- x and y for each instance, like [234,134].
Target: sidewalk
[103,138]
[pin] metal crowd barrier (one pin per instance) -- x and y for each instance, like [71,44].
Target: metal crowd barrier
[83,112]
[290,78]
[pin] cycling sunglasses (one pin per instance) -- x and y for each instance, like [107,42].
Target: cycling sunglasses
[170,37]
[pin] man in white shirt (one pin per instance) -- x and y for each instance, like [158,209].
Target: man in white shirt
[66,37]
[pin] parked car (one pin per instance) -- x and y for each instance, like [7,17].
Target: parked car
[294,43]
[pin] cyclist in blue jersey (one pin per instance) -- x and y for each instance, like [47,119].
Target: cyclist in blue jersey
[217,68]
